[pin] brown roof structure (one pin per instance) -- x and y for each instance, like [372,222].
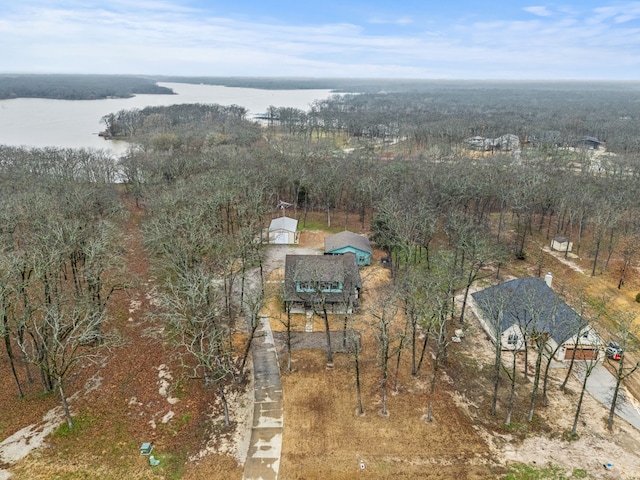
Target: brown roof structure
[321,268]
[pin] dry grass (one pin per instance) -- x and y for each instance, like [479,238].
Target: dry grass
[324,437]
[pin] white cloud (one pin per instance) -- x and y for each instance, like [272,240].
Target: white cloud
[540,11]
[157,37]
[405,20]
[619,13]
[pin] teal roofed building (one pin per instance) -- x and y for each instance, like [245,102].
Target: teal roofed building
[349,242]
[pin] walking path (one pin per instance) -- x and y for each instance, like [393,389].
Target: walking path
[263,458]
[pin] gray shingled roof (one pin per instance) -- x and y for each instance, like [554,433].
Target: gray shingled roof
[346,239]
[342,268]
[530,303]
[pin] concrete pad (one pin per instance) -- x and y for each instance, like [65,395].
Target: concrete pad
[600,386]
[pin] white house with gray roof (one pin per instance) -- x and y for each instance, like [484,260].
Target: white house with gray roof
[523,309]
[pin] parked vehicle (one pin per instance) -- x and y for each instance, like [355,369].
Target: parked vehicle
[614,351]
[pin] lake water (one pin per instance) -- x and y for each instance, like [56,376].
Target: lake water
[40,122]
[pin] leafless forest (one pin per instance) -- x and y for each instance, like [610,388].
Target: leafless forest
[205,180]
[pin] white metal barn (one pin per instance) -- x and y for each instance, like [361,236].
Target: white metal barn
[283,230]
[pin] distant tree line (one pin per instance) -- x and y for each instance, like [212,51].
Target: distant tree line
[77,87]
[446,116]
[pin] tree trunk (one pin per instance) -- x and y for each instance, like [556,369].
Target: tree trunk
[384,390]
[344,332]
[570,369]
[432,391]
[512,393]
[614,401]
[288,326]
[536,383]
[225,406]
[424,349]
[7,344]
[65,405]
[356,355]
[325,316]
[579,406]
[595,257]
[497,367]
[247,348]
[395,380]
[414,327]
[545,382]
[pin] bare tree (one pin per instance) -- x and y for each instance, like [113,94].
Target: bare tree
[192,307]
[355,349]
[494,309]
[629,251]
[7,311]
[625,332]
[586,367]
[384,312]
[63,338]
[440,288]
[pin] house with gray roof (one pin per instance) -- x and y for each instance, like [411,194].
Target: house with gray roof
[519,310]
[349,242]
[314,282]
[587,142]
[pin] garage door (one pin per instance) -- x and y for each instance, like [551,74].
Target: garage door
[281,237]
[582,354]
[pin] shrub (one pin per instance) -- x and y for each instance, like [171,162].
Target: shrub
[638,298]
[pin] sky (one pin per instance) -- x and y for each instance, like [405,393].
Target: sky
[501,39]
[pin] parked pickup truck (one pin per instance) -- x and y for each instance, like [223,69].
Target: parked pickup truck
[614,351]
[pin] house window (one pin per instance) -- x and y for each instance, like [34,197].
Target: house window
[310,286]
[513,339]
[328,287]
[304,286]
